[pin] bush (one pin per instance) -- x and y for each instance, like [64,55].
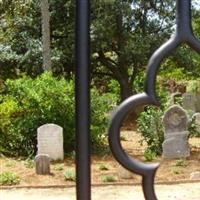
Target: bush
[149,155]
[193,128]
[26,104]
[70,175]
[151,128]
[108,178]
[9,178]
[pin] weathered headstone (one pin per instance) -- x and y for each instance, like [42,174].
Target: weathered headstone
[42,164]
[175,143]
[189,102]
[50,141]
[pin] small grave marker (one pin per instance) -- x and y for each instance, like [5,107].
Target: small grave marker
[42,164]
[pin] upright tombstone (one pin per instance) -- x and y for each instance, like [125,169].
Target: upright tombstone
[189,102]
[50,141]
[42,164]
[175,143]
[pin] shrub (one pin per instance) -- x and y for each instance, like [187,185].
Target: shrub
[9,178]
[26,104]
[59,167]
[28,163]
[149,155]
[150,126]
[103,167]
[108,179]
[70,175]
[193,128]
[181,163]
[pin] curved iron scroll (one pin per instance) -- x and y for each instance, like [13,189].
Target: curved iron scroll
[183,34]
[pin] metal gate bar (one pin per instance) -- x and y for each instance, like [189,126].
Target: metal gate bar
[183,34]
[83,174]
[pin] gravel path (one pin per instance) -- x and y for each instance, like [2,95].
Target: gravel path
[189,191]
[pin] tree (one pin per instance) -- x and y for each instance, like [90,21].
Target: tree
[46,34]
[20,38]
[124,34]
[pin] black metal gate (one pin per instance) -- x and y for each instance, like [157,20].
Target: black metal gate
[183,34]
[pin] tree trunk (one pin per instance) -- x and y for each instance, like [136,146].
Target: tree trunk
[126,89]
[46,35]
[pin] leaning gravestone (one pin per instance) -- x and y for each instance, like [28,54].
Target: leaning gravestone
[175,143]
[42,164]
[189,102]
[50,141]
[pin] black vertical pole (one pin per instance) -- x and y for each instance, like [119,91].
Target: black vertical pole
[183,17]
[83,183]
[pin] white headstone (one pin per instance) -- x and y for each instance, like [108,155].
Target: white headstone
[50,141]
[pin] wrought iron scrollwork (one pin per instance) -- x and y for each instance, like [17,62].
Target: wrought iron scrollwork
[183,34]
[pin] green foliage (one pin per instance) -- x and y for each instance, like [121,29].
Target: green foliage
[150,126]
[9,178]
[28,103]
[193,128]
[181,163]
[70,175]
[59,167]
[117,29]
[103,167]
[108,179]
[10,163]
[28,163]
[194,86]
[149,154]
[177,171]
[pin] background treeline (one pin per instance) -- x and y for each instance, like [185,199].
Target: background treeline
[124,34]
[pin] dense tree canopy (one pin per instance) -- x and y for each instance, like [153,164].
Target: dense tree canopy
[124,34]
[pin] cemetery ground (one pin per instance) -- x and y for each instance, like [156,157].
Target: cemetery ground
[105,169]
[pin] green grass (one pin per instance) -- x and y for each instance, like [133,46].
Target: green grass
[10,163]
[59,167]
[181,163]
[9,178]
[103,167]
[108,179]
[177,171]
[29,163]
[70,175]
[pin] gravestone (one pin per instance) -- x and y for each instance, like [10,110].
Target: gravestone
[175,143]
[50,141]
[189,102]
[196,118]
[42,164]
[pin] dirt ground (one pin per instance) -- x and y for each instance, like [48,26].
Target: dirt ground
[164,192]
[105,169]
